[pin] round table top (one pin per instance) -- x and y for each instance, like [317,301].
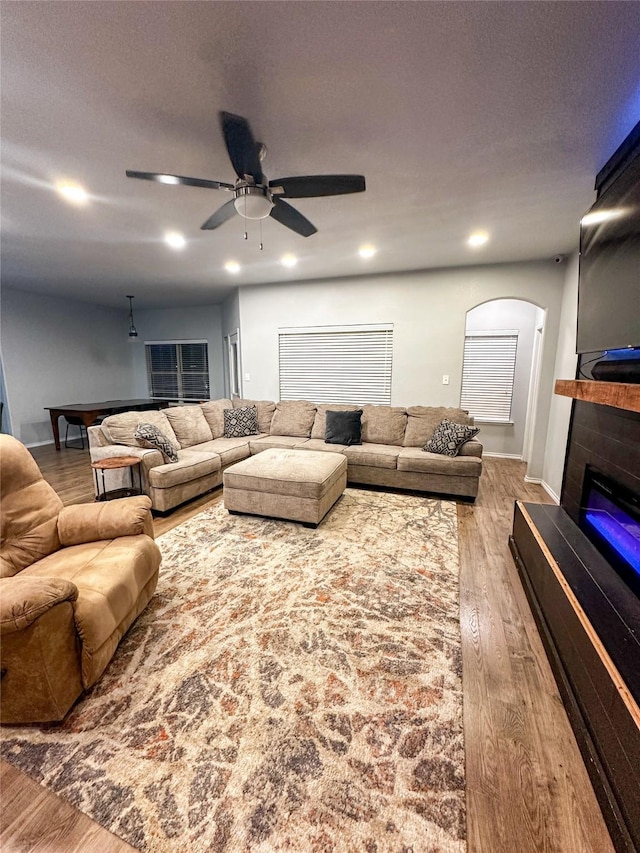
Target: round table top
[116,462]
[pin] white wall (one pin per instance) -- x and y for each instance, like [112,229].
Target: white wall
[183,324]
[565,368]
[230,325]
[523,317]
[428,310]
[58,351]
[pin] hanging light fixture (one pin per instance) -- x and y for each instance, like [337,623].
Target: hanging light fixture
[133,333]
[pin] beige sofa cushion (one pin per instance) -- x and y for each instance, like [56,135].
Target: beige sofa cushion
[373,455]
[228,449]
[320,445]
[109,576]
[189,424]
[191,465]
[320,423]
[422,421]
[383,424]
[293,417]
[265,409]
[213,411]
[120,429]
[418,460]
[30,509]
[267,442]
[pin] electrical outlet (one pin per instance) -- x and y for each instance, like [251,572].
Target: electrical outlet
[247,377]
[445,379]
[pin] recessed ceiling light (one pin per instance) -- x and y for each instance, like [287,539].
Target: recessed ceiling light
[599,216]
[73,193]
[367,251]
[175,240]
[232,267]
[288,260]
[478,238]
[167,179]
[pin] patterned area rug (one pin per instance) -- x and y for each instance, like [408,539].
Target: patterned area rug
[287,689]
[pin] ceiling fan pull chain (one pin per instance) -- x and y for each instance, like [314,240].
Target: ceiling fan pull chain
[261,244]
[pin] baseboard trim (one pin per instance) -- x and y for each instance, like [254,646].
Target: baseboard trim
[536,480]
[503,455]
[550,492]
[39,443]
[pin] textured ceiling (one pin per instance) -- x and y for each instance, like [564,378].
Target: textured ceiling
[460,115]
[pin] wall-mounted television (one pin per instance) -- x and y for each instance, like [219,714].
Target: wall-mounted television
[609,288]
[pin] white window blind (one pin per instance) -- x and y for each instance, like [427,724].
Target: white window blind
[488,372]
[178,370]
[338,364]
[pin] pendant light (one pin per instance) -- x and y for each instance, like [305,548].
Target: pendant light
[133,333]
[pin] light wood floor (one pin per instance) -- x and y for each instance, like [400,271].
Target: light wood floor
[527,788]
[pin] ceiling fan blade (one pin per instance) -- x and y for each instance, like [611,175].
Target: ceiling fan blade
[311,186]
[220,216]
[291,218]
[163,178]
[241,146]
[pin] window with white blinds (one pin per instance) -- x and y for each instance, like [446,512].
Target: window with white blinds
[337,364]
[178,370]
[488,372]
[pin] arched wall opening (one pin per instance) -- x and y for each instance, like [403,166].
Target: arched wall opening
[512,437]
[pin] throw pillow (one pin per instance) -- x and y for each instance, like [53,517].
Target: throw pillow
[240,422]
[343,427]
[150,436]
[448,438]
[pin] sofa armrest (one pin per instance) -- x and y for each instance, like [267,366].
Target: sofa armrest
[23,599]
[471,448]
[93,522]
[149,458]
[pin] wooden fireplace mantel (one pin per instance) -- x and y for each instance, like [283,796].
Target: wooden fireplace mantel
[620,395]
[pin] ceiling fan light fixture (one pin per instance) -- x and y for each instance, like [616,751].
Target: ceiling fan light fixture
[288,260]
[233,267]
[252,202]
[367,251]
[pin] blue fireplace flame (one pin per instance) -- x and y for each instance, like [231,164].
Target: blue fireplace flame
[609,518]
[624,539]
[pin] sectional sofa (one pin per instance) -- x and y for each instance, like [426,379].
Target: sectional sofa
[390,455]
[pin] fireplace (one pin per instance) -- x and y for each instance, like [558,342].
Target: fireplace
[580,566]
[610,518]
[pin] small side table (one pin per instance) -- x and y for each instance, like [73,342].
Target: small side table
[111,464]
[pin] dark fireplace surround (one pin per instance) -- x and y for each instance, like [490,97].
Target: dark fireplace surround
[579,562]
[585,601]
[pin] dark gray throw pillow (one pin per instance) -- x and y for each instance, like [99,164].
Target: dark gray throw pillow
[240,422]
[343,427]
[150,436]
[448,438]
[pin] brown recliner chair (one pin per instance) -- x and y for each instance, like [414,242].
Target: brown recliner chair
[72,581]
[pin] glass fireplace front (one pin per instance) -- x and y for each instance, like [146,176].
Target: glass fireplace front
[610,517]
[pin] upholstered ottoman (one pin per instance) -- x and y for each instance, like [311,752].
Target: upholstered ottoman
[299,485]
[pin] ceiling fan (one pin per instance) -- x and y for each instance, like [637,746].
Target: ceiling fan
[254,197]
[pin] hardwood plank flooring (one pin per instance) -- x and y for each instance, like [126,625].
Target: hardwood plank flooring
[527,788]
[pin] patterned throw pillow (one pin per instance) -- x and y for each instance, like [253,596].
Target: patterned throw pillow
[150,436]
[448,438]
[240,422]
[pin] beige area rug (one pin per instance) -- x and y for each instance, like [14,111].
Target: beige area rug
[287,689]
